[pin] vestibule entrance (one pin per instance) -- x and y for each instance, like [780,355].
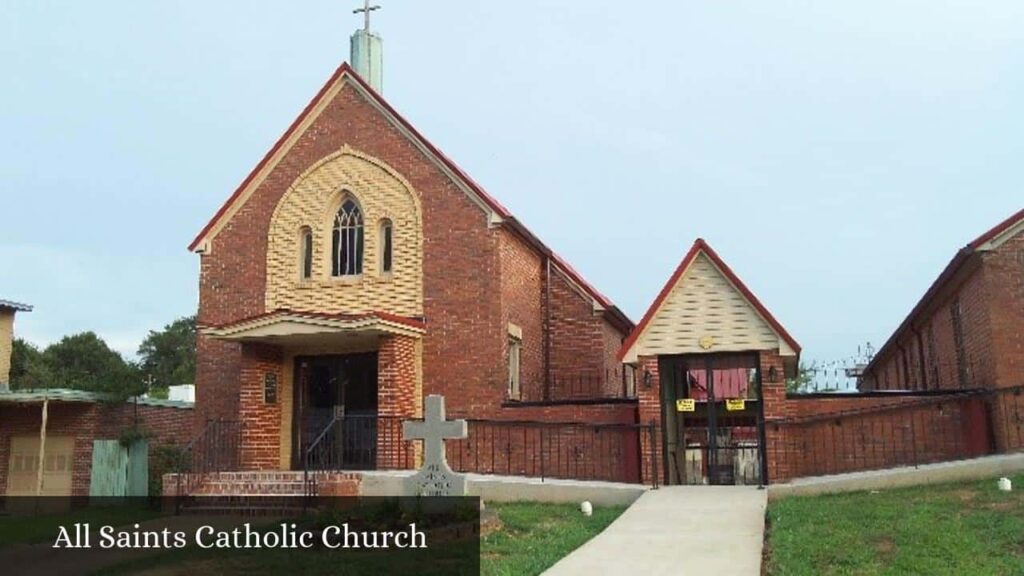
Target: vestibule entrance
[713,418]
[335,409]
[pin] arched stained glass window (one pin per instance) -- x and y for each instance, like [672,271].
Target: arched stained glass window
[347,240]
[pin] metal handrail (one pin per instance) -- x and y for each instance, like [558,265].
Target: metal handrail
[187,465]
[310,486]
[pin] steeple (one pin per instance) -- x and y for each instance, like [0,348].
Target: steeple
[368,50]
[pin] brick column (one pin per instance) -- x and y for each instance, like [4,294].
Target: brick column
[780,446]
[261,422]
[649,410]
[399,397]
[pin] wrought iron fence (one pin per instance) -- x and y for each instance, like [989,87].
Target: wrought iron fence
[571,450]
[893,431]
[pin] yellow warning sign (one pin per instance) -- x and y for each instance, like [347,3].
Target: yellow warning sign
[686,405]
[735,404]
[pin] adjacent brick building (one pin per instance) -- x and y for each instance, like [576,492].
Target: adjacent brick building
[967,331]
[75,420]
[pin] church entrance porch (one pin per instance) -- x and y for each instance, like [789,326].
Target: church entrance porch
[713,421]
[335,408]
[321,392]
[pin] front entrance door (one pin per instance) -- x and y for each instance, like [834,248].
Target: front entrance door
[713,420]
[337,392]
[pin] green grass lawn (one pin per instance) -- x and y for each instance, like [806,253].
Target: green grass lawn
[535,536]
[970,528]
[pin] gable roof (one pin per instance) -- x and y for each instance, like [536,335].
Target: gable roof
[701,247]
[989,240]
[993,234]
[497,213]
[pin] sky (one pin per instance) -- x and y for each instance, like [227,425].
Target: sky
[835,154]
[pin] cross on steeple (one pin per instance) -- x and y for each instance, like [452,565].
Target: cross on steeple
[366,9]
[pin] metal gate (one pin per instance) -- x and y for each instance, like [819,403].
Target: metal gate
[713,415]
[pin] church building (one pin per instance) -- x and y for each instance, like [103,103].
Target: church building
[357,269]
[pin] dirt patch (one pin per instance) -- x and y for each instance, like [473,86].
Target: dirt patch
[884,546]
[1002,506]
[965,495]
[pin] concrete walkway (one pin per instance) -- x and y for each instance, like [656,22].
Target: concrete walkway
[678,530]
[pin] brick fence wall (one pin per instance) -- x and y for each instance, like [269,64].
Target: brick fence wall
[86,422]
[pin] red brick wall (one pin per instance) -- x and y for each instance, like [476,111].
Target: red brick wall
[261,422]
[396,399]
[523,273]
[648,393]
[583,345]
[884,433]
[1004,280]
[88,422]
[605,447]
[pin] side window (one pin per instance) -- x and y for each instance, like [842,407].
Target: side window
[386,235]
[306,248]
[515,350]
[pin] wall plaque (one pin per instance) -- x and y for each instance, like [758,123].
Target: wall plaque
[270,388]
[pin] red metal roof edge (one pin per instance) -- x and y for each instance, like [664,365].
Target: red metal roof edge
[386,316]
[346,69]
[700,245]
[997,230]
[954,265]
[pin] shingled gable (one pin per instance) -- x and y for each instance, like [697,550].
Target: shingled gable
[628,352]
[495,212]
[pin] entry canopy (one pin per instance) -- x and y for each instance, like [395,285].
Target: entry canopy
[706,308]
[287,327]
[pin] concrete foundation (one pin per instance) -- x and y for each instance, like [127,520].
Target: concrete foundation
[516,488]
[961,470]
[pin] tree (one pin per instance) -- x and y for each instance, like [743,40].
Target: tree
[168,356]
[85,362]
[28,367]
[804,379]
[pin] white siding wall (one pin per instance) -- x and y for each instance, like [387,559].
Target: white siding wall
[704,303]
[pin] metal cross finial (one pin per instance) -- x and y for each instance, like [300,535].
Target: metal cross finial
[366,9]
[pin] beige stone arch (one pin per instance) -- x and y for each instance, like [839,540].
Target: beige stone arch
[313,200]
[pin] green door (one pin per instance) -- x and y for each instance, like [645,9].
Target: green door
[109,469]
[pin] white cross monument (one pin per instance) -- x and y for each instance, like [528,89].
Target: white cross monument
[435,478]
